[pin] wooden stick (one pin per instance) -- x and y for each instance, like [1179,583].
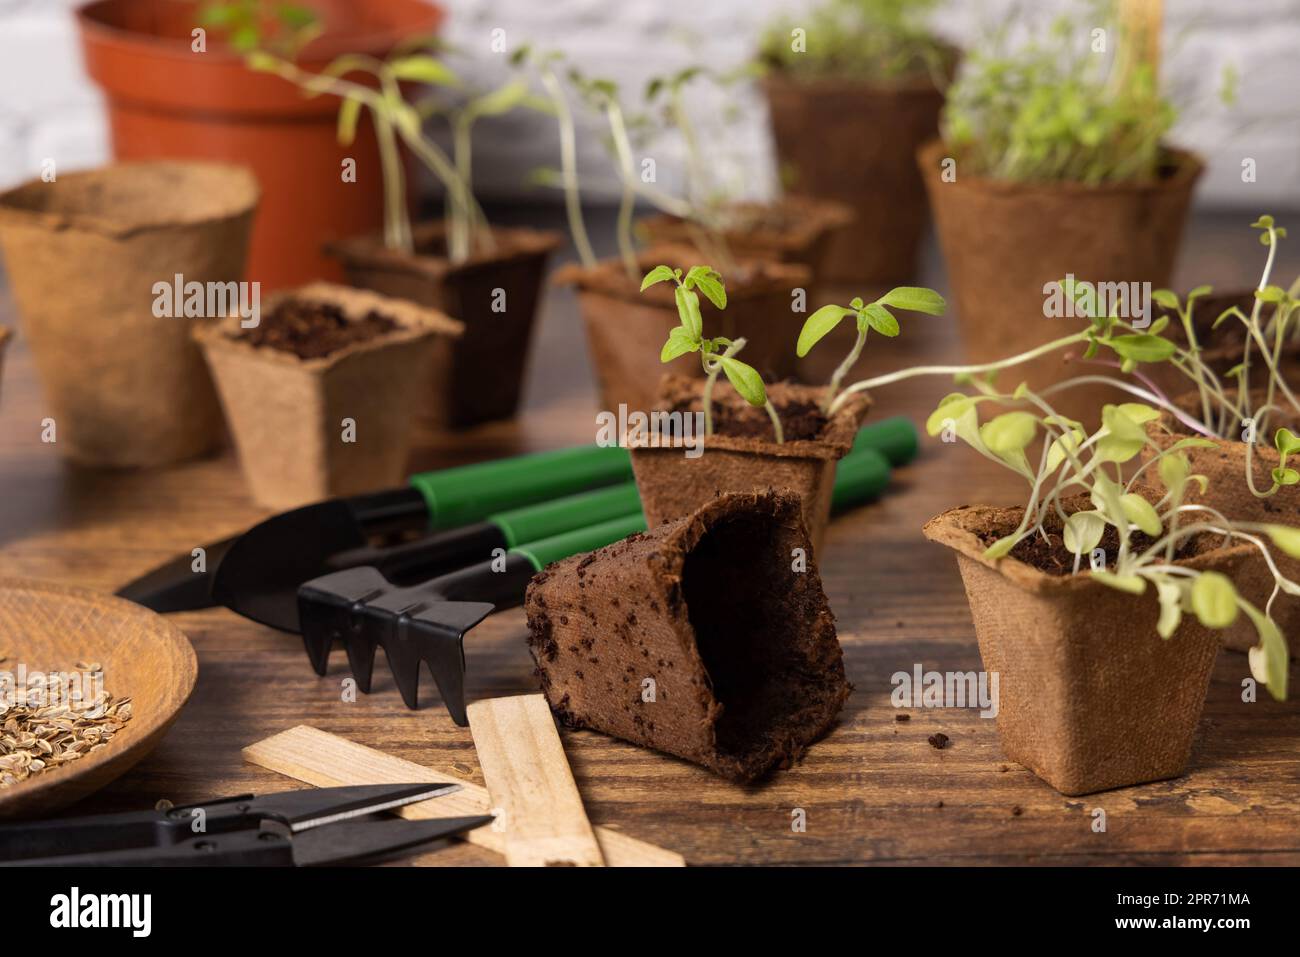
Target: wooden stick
[326,760]
[529,779]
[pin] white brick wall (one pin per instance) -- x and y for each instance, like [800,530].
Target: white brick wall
[49,109]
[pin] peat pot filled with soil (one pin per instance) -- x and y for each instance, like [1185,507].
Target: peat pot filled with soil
[742,453]
[1006,243]
[1224,464]
[793,229]
[494,293]
[320,395]
[1090,696]
[739,650]
[852,141]
[626,327]
[84,255]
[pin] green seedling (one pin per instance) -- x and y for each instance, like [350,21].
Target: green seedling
[1059,108]
[876,40]
[717,354]
[248,25]
[1072,461]
[871,315]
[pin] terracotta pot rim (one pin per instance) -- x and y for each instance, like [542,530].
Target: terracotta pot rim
[415,324]
[820,216]
[369,250]
[609,278]
[832,446]
[1189,167]
[953,528]
[241,179]
[317,54]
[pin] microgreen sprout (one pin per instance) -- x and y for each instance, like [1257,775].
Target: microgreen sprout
[1073,461]
[717,354]
[869,315]
[248,25]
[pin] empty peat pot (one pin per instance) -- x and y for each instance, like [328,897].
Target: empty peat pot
[852,141]
[320,395]
[126,386]
[494,293]
[1090,696]
[1005,243]
[1224,465]
[742,454]
[698,638]
[626,327]
[792,229]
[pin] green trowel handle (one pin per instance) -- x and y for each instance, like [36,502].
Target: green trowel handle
[861,475]
[534,522]
[470,493]
[541,553]
[894,438]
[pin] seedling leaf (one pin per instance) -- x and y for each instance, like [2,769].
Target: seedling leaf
[881,319]
[1286,442]
[688,308]
[656,275]
[1002,546]
[1140,512]
[915,299]
[745,379]
[1083,531]
[423,69]
[1143,348]
[1133,584]
[349,113]
[679,343]
[1214,600]
[816,326]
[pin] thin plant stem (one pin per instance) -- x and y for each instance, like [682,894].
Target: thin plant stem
[623,150]
[838,376]
[712,366]
[776,422]
[569,170]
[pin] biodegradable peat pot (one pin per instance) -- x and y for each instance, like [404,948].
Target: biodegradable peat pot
[794,229]
[494,293]
[165,100]
[1090,697]
[740,650]
[286,412]
[125,386]
[1005,242]
[852,142]
[1225,467]
[742,454]
[626,328]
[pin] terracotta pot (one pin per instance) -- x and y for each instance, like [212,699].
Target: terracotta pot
[794,229]
[1005,242]
[165,100]
[286,413]
[626,328]
[673,485]
[852,142]
[495,294]
[126,387]
[739,650]
[1089,696]
[1225,467]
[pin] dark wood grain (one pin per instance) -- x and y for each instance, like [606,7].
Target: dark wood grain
[874,791]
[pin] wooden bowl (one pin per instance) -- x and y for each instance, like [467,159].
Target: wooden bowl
[49,627]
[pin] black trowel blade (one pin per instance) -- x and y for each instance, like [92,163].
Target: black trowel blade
[175,585]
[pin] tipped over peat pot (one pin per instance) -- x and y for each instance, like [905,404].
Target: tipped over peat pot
[852,142]
[626,328]
[738,650]
[1005,242]
[494,293]
[1090,696]
[165,100]
[743,455]
[126,387]
[793,229]
[1227,492]
[324,355]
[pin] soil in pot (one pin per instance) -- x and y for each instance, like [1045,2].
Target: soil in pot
[1225,467]
[875,130]
[626,328]
[794,229]
[1089,696]
[742,455]
[495,294]
[165,101]
[321,395]
[126,386]
[695,638]
[1005,243]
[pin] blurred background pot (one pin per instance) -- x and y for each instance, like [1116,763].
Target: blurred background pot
[165,100]
[125,386]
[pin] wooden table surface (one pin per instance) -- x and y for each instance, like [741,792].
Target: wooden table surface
[873,791]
